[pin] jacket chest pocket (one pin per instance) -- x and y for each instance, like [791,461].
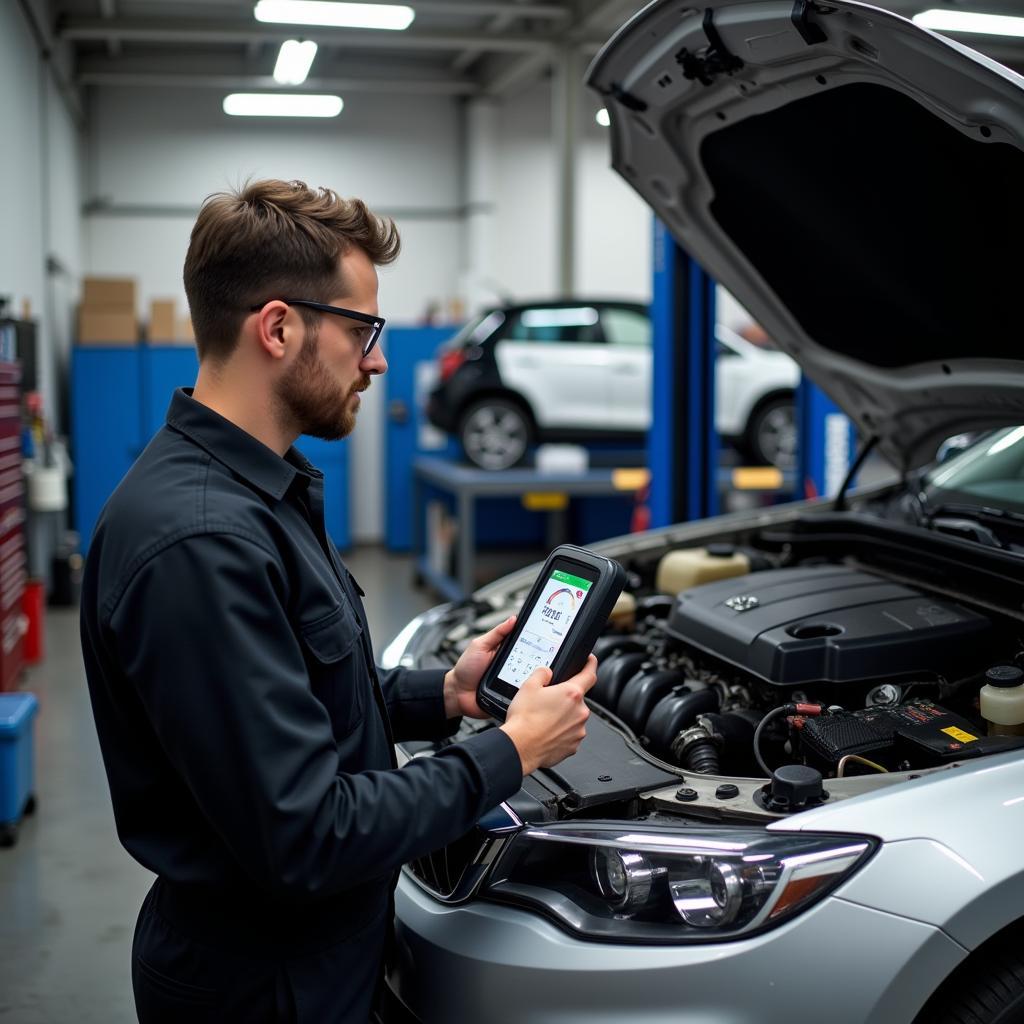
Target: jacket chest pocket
[338,674]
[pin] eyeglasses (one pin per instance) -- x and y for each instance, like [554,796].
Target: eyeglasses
[367,335]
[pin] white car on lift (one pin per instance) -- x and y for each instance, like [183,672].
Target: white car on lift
[580,370]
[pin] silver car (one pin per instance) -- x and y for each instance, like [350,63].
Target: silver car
[801,796]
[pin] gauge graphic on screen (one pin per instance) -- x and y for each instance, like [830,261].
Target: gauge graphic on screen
[564,600]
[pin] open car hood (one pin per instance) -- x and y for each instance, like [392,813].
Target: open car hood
[855,181]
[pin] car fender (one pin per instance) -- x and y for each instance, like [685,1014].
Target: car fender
[950,892]
[745,384]
[497,392]
[950,854]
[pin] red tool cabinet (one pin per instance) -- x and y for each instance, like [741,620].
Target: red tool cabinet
[13,563]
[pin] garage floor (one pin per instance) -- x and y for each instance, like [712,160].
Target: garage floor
[69,894]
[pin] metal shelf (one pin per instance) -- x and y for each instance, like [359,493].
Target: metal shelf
[467,484]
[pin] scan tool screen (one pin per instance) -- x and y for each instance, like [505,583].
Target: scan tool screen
[546,627]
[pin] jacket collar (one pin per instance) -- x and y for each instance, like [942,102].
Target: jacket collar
[237,449]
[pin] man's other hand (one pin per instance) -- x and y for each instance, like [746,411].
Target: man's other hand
[548,723]
[461,681]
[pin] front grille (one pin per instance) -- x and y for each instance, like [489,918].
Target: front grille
[445,871]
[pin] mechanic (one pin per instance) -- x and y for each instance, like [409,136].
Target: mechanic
[246,732]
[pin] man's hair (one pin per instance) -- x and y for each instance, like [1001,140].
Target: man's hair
[272,240]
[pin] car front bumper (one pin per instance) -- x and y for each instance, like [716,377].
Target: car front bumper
[839,961]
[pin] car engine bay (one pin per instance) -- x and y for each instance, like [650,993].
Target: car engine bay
[757,675]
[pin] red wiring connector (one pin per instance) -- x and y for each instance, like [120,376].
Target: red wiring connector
[801,712]
[810,710]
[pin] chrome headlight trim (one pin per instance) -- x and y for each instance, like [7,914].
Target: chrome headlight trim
[395,654]
[699,884]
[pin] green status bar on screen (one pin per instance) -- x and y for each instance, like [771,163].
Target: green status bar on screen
[574,581]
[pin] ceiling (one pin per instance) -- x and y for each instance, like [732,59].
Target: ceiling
[454,47]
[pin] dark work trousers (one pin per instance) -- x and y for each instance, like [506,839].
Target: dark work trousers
[191,966]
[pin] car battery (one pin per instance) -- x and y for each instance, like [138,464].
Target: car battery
[918,733]
[17,760]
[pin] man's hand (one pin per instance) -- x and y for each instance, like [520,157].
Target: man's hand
[461,682]
[548,723]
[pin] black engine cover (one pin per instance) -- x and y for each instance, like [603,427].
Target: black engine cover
[790,627]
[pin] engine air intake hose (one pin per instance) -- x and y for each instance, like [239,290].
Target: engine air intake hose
[702,757]
[676,713]
[716,743]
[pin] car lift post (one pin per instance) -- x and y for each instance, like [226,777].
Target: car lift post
[826,445]
[682,445]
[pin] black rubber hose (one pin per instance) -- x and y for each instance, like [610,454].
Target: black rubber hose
[703,758]
[675,713]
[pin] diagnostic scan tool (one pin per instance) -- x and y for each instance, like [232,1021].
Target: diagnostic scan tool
[560,620]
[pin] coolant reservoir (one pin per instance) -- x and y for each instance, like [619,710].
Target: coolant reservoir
[1002,700]
[690,567]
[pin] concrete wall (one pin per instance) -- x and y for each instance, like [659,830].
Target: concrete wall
[154,155]
[613,225]
[40,197]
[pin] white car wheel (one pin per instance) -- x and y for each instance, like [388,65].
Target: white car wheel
[495,433]
[772,435]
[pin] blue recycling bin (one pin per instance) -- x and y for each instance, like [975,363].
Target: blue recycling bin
[17,761]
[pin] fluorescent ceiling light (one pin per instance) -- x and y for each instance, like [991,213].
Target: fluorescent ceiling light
[294,61]
[602,118]
[342,15]
[970,21]
[276,104]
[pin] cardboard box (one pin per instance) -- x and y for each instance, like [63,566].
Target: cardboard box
[162,326]
[118,292]
[106,327]
[185,335]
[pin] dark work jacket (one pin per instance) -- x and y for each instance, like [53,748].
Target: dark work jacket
[246,733]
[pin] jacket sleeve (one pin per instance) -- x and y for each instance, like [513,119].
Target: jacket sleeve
[415,701]
[202,635]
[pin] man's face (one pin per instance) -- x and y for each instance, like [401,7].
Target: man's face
[320,390]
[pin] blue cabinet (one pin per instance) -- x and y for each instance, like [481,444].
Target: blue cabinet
[164,368]
[119,399]
[106,426]
[411,359]
[331,458]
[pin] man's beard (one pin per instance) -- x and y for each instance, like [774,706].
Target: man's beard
[313,400]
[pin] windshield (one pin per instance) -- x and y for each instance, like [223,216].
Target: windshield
[989,474]
[479,328]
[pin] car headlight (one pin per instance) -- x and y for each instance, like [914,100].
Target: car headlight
[393,653]
[398,651]
[662,886]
